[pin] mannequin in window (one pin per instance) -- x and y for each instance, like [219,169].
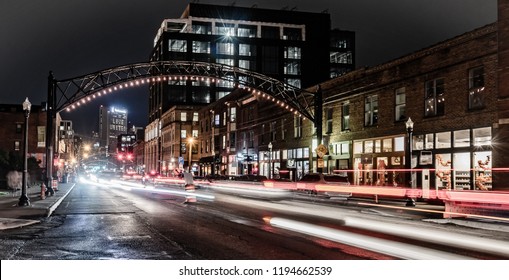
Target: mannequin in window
[444,174]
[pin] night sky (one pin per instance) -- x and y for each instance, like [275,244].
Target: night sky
[74,38]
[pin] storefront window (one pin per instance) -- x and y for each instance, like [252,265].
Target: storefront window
[299,153]
[462,138]
[345,148]
[387,144]
[482,136]
[399,144]
[443,140]
[418,142]
[443,171]
[378,146]
[368,146]
[357,147]
[428,141]
[482,171]
[461,171]
[306,152]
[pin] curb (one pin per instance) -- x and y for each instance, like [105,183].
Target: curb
[52,208]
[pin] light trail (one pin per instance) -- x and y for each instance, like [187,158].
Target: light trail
[436,236]
[387,247]
[436,211]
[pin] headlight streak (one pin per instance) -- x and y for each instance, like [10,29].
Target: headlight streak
[387,247]
[436,211]
[258,192]
[497,247]
[129,186]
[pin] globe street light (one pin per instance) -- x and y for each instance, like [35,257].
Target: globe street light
[24,200]
[408,162]
[270,159]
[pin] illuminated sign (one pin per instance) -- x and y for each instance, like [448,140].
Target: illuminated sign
[116,110]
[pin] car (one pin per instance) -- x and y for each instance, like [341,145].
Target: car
[319,183]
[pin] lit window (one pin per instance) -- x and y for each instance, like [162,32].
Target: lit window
[434,98]
[177,45]
[297,127]
[443,140]
[292,53]
[345,116]
[201,47]
[225,48]
[482,136]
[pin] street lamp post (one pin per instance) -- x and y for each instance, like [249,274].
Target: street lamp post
[408,162]
[24,200]
[270,159]
[190,141]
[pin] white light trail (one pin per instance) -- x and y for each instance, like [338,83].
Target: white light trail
[387,247]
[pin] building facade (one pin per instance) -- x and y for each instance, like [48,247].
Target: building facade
[298,48]
[112,122]
[13,119]
[455,92]
[449,92]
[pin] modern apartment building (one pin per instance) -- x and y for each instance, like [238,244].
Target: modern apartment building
[298,48]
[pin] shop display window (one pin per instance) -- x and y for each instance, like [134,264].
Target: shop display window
[443,140]
[443,171]
[482,136]
[482,171]
[461,171]
[368,146]
[378,146]
[387,145]
[399,144]
[462,138]
[429,142]
[418,142]
[357,147]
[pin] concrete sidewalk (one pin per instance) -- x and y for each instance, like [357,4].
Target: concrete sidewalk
[13,216]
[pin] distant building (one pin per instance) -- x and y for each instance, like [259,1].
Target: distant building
[112,122]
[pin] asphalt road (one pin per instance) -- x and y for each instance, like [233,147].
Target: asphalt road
[103,221]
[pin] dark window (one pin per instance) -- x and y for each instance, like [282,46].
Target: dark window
[270,32]
[476,88]
[371,110]
[329,120]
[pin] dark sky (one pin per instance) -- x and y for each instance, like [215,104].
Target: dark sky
[74,38]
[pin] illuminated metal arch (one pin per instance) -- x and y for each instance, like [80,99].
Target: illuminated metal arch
[66,93]
[76,91]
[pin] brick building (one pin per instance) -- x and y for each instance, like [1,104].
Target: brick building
[448,90]
[456,92]
[12,131]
